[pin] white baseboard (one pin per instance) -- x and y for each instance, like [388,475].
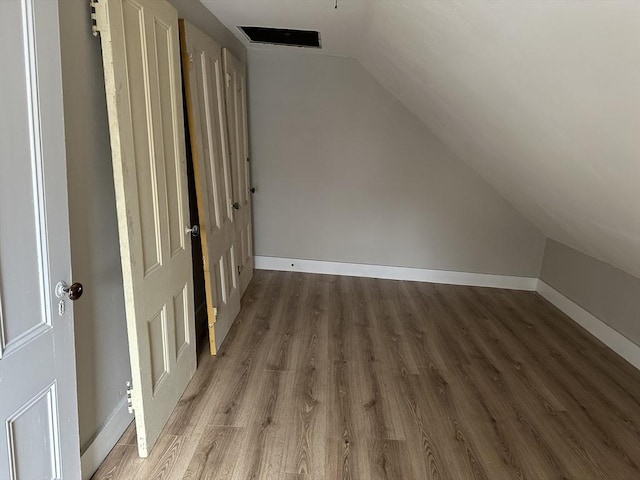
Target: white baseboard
[396,273]
[106,439]
[596,327]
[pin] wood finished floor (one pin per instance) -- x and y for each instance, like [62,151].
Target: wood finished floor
[326,377]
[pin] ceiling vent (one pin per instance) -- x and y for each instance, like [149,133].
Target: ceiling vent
[283,36]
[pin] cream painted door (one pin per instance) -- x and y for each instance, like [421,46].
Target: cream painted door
[141,58]
[38,407]
[236,107]
[204,88]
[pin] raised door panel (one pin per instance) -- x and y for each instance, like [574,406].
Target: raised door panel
[33,429]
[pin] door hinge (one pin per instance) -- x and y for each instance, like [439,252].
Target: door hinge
[228,76]
[129,397]
[98,19]
[190,60]
[215,318]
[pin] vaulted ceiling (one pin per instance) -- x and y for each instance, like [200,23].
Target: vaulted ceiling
[541,98]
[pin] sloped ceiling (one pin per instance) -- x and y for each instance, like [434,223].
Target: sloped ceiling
[541,98]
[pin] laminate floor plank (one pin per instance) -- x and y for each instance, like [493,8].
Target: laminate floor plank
[347,459]
[235,396]
[307,413]
[590,371]
[329,378]
[421,331]
[577,399]
[129,436]
[187,417]
[587,402]
[577,420]
[169,458]
[345,403]
[432,461]
[599,355]
[391,347]
[489,378]
[345,340]
[382,411]
[215,455]
[263,447]
[121,463]
[389,460]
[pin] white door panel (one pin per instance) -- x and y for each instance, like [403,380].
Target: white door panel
[236,112]
[141,55]
[202,67]
[38,405]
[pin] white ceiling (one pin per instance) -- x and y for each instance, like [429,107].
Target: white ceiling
[340,29]
[542,97]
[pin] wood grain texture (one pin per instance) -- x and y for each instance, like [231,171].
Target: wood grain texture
[331,378]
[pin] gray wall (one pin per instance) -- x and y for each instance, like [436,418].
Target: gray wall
[604,291]
[101,337]
[344,172]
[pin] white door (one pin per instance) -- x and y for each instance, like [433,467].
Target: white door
[38,408]
[236,107]
[141,58]
[202,67]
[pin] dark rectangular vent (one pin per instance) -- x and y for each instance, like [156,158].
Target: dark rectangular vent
[283,36]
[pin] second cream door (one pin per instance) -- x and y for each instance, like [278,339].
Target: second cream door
[203,75]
